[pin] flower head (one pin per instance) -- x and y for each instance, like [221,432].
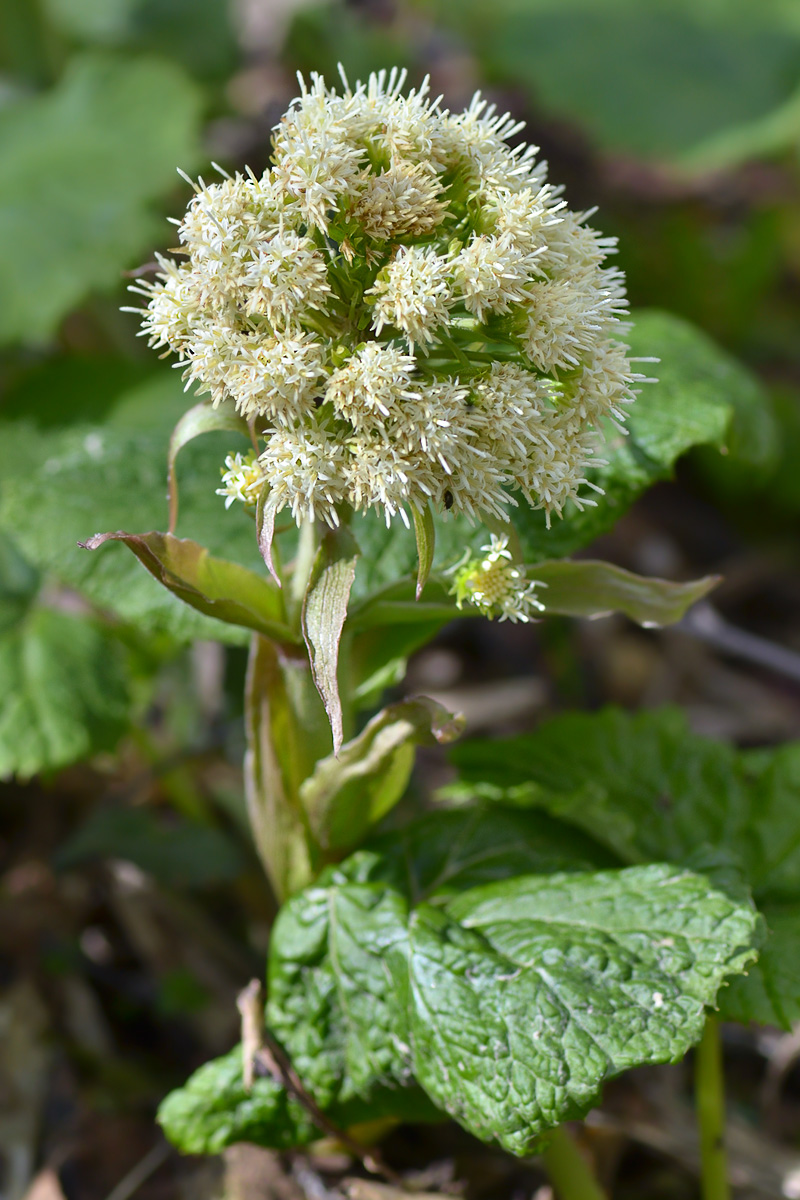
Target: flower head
[495,586]
[404,308]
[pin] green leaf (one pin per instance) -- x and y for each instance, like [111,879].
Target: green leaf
[685,75]
[111,133]
[60,482]
[770,991]
[214,1110]
[178,854]
[202,418]
[703,397]
[605,771]
[351,791]
[324,612]
[593,589]
[211,585]
[19,583]
[331,1000]
[510,1002]
[425,534]
[647,788]
[449,851]
[64,690]
[527,995]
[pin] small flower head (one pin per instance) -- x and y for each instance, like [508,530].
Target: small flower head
[495,586]
[403,307]
[242,479]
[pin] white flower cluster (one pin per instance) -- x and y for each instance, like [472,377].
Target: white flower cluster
[495,586]
[403,307]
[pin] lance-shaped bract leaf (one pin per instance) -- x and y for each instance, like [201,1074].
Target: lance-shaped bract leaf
[323,617]
[425,533]
[202,418]
[595,589]
[265,530]
[351,791]
[213,586]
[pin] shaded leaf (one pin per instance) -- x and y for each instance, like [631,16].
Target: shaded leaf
[351,791]
[178,854]
[213,586]
[770,991]
[449,851]
[324,612]
[64,692]
[592,589]
[111,132]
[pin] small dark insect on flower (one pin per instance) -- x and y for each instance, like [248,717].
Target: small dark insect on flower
[448,499]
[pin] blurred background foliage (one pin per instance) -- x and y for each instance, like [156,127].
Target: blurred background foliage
[124,855]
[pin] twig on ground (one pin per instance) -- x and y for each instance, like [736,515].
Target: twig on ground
[263,1055]
[704,622]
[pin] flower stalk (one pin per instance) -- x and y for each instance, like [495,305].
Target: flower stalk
[710,1102]
[568,1170]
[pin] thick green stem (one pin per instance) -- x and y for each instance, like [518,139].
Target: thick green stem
[568,1170]
[710,1101]
[287,732]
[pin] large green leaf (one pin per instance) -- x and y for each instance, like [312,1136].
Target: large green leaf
[702,397]
[647,788]
[81,167]
[63,691]
[510,1003]
[686,76]
[527,995]
[323,616]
